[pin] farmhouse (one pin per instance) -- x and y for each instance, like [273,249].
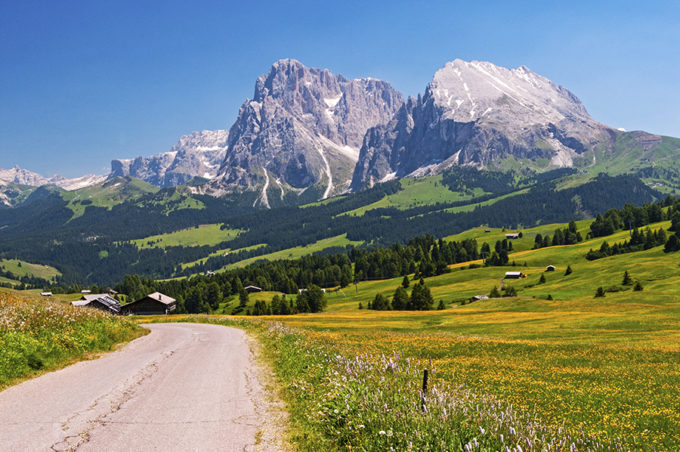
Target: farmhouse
[512,235]
[251,289]
[153,304]
[100,301]
[550,268]
[514,275]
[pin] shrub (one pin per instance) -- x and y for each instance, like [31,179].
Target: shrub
[637,287]
[599,293]
[627,281]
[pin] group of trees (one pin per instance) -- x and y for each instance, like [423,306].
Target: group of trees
[637,242]
[419,300]
[311,299]
[424,256]
[566,236]
[630,217]
[499,256]
[627,281]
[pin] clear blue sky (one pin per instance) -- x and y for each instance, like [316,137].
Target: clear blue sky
[83,82]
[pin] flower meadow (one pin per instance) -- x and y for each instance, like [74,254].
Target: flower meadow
[39,334]
[375,401]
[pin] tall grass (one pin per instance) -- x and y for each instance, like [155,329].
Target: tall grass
[38,335]
[375,402]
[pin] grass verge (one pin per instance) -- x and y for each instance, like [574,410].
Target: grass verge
[37,336]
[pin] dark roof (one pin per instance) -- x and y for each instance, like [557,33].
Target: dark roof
[110,303]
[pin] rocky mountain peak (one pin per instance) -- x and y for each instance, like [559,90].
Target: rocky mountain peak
[475,90]
[477,113]
[303,128]
[197,154]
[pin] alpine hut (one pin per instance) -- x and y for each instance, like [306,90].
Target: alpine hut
[153,304]
[102,302]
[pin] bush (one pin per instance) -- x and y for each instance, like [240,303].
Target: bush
[626,279]
[637,287]
[599,293]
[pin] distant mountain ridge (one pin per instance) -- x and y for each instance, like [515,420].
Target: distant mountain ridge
[198,154]
[308,134]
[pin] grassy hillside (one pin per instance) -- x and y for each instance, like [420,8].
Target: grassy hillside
[106,194]
[22,268]
[38,335]
[589,368]
[298,251]
[201,235]
[419,192]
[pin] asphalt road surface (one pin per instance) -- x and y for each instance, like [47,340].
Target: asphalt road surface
[182,387]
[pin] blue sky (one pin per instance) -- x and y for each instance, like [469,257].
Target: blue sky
[83,82]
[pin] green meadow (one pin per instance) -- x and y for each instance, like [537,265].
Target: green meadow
[418,192]
[22,268]
[588,367]
[202,235]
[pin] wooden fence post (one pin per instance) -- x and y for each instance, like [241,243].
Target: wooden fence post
[423,401]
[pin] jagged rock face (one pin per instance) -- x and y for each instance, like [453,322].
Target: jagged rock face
[197,154]
[303,127]
[476,113]
[21,176]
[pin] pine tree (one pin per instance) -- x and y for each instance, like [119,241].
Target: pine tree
[441,305]
[400,299]
[637,287]
[626,279]
[568,271]
[405,282]
[542,279]
[380,303]
[494,293]
[599,293]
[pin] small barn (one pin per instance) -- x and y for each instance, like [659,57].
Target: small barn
[550,268]
[251,289]
[100,301]
[514,275]
[512,235]
[479,298]
[46,294]
[153,304]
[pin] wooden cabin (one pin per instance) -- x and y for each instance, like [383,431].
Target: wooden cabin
[251,289]
[512,235]
[100,301]
[514,275]
[550,268]
[153,304]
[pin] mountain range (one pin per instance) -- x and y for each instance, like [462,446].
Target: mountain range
[308,134]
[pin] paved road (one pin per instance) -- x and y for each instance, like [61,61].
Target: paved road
[182,387]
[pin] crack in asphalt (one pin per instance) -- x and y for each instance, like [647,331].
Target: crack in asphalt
[116,399]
